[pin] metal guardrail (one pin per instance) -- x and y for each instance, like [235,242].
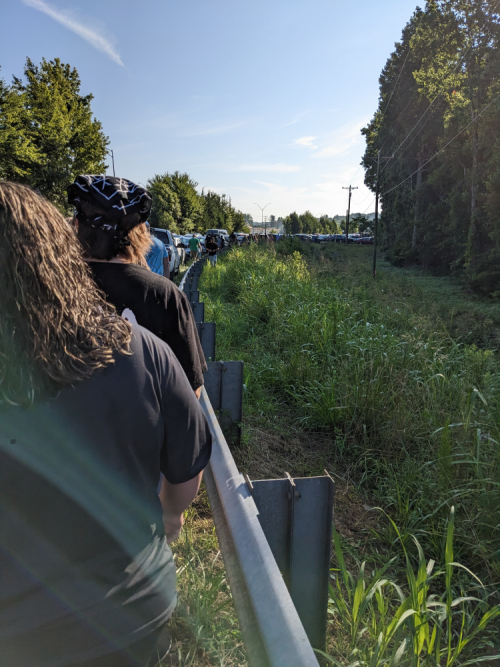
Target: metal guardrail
[272,631]
[269,622]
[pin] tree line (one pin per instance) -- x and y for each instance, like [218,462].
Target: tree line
[178,206]
[307,223]
[49,135]
[439,117]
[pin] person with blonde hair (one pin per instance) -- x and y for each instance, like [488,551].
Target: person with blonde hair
[92,409]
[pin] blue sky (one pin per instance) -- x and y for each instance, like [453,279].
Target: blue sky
[261,100]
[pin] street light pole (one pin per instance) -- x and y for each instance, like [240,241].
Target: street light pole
[350,188]
[262,209]
[110,152]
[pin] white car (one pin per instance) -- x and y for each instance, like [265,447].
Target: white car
[216,232]
[181,249]
[167,238]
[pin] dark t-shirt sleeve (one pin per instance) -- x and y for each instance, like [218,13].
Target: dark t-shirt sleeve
[187,442]
[183,337]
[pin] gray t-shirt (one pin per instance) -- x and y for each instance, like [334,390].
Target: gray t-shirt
[84,563]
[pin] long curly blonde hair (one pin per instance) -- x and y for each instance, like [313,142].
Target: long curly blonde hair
[55,326]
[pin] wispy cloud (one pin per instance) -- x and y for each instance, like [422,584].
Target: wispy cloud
[306,141]
[297,119]
[278,189]
[91,34]
[216,128]
[343,140]
[278,167]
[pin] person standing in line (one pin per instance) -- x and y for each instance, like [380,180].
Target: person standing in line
[110,214]
[157,257]
[194,247]
[233,239]
[92,408]
[212,248]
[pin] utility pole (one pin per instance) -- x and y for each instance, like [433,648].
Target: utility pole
[375,235]
[262,209]
[350,188]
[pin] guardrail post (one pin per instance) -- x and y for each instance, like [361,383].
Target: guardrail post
[224,385]
[191,283]
[296,516]
[198,311]
[206,334]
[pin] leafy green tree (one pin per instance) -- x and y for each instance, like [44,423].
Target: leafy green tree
[360,223]
[18,155]
[295,223]
[328,225]
[218,213]
[165,210]
[239,222]
[214,211]
[310,224]
[59,129]
[438,111]
[190,201]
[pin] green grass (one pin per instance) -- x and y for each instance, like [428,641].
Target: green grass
[400,376]
[204,626]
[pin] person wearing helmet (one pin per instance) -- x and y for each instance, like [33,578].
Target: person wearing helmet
[110,216]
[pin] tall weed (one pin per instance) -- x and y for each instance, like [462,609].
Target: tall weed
[418,408]
[441,620]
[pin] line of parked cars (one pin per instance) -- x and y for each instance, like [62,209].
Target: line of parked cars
[336,238]
[178,245]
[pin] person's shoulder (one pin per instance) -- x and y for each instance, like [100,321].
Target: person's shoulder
[149,279]
[159,244]
[149,351]
[144,338]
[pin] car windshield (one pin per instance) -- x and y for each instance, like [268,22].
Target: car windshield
[163,236]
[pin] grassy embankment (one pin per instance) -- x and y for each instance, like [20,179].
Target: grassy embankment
[393,386]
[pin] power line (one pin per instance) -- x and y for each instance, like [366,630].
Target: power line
[360,203]
[397,81]
[369,206]
[444,147]
[388,165]
[460,62]
[388,103]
